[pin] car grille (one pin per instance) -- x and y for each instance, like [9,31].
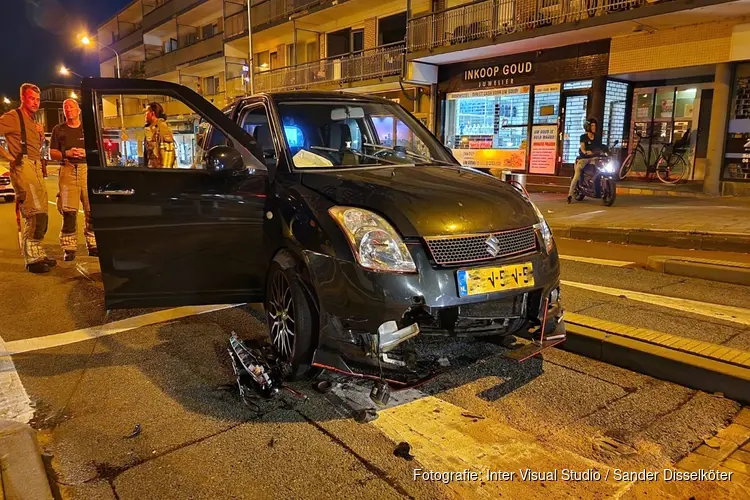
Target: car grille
[4,181]
[447,250]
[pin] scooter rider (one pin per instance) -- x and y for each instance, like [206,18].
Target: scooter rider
[589,143]
[24,138]
[67,145]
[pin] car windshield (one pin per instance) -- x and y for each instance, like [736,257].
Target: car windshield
[346,133]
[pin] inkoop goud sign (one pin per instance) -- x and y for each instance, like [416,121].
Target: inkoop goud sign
[498,75]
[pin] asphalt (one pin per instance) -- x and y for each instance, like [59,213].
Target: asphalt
[198,441]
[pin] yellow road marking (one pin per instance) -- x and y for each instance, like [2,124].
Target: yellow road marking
[601,262]
[718,311]
[444,440]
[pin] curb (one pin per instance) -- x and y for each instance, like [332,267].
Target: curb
[728,242]
[22,472]
[691,370]
[715,270]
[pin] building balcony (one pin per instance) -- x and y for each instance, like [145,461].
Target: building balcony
[136,70]
[157,12]
[265,12]
[124,43]
[493,21]
[201,49]
[380,62]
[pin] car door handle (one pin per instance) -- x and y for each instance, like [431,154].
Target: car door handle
[114,192]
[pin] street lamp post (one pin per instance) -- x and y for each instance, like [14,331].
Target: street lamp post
[67,72]
[87,41]
[250,74]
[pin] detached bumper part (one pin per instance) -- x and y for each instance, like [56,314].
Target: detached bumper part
[389,336]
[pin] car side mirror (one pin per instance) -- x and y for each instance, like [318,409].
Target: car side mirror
[223,159]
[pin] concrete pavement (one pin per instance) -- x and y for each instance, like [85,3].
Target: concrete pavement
[721,224]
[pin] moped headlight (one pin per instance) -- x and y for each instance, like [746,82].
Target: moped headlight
[375,243]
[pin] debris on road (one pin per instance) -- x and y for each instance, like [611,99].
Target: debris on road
[471,415]
[256,367]
[135,432]
[380,393]
[322,386]
[365,415]
[403,450]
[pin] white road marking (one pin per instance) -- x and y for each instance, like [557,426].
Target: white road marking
[60,339]
[14,401]
[727,313]
[601,262]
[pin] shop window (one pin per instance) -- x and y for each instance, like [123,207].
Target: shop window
[546,104]
[615,104]
[579,85]
[737,152]
[489,130]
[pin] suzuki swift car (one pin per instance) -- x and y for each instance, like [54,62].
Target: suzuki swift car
[343,214]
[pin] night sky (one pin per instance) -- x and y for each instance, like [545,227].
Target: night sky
[39,35]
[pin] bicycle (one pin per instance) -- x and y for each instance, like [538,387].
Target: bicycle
[669,165]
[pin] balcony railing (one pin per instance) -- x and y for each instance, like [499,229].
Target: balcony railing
[137,70]
[379,62]
[492,18]
[264,11]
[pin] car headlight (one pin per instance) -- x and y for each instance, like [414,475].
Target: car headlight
[375,243]
[544,231]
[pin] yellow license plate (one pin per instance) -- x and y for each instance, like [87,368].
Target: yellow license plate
[495,279]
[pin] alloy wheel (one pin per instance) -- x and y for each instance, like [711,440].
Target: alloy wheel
[281,315]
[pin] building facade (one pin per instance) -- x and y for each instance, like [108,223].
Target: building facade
[506,84]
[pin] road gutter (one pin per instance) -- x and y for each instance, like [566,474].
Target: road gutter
[737,273]
[699,365]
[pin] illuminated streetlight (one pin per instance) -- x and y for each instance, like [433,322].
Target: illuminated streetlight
[86,40]
[6,100]
[67,72]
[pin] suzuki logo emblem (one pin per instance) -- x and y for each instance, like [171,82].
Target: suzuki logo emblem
[493,245]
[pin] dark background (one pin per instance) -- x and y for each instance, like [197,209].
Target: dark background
[37,36]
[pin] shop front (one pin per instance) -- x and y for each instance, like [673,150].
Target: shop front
[737,149]
[526,112]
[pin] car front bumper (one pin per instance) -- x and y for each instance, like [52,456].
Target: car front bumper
[366,315]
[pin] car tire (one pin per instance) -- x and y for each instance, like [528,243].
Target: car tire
[10,198]
[291,316]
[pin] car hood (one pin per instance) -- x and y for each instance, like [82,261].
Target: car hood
[427,200]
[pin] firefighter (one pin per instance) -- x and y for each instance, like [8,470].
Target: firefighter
[24,138]
[159,147]
[67,146]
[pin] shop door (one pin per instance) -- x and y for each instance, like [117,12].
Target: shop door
[573,117]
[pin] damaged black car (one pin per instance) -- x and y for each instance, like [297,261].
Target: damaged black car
[342,213]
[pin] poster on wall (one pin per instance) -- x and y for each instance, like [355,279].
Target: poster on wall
[543,149]
[510,159]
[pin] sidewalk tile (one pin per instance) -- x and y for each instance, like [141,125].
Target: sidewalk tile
[731,463]
[738,434]
[743,417]
[723,451]
[742,456]
[694,462]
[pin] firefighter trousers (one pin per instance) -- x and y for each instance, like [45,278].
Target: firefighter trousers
[74,193]
[31,197]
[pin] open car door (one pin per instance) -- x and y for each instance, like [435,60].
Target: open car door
[192,233]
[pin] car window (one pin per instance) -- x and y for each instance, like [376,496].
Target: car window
[254,120]
[176,137]
[345,133]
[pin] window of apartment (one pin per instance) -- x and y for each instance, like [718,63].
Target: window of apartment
[392,29]
[263,60]
[358,40]
[274,60]
[338,42]
[170,45]
[209,30]
[211,85]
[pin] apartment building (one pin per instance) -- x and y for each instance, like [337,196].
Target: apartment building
[506,84]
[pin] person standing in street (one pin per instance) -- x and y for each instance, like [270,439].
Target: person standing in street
[24,138]
[159,147]
[67,145]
